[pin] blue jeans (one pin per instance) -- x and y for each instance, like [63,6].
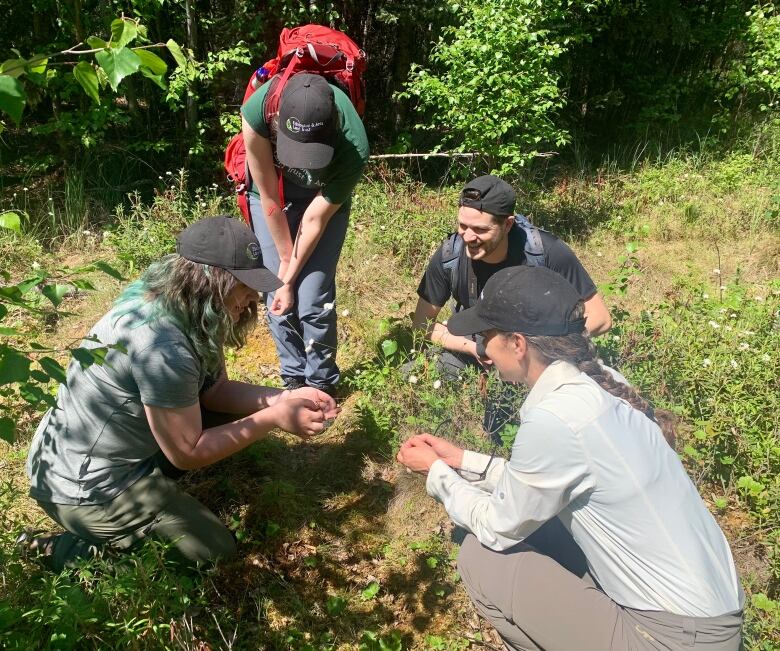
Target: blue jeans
[309,320]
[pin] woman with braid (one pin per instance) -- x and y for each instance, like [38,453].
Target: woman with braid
[591,537]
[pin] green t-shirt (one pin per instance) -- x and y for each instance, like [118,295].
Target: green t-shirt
[338,179]
[97,442]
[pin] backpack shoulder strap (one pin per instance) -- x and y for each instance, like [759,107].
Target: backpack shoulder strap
[534,247]
[452,254]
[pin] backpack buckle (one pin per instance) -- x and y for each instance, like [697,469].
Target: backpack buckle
[350,65]
[299,52]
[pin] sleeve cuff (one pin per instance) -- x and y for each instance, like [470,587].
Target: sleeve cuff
[440,476]
[474,461]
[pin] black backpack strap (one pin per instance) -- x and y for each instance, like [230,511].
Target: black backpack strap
[534,247]
[453,254]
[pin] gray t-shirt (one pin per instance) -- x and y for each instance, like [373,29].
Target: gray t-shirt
[97,442]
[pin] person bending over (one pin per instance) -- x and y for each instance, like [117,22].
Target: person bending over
[591,536]
[96,461]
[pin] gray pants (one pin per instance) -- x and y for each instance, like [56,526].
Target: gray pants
[538,595]
[153,506]
[316,285]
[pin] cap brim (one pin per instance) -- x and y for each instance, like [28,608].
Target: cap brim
[260,279]
[468,322]
[302,155]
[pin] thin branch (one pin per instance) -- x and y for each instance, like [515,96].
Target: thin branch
[438,154]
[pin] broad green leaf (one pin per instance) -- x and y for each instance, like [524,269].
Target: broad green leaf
[176,53]
[13,67]
[108,269]
[33,281]
[370,591]
[157,79]
[117,64]
[32,393]
[83,284]
[96,43]
[11,221]
[389,347]
[12,97]
[3,311]
[7,427]
[55,293]
[85,74]
[151,61]
[53,369]
[37,64]
[39,376]
[10,332]
[14,367]
[123,30]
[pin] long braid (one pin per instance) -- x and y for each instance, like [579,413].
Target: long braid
[578,349]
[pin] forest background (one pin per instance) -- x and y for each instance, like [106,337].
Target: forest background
[646,133]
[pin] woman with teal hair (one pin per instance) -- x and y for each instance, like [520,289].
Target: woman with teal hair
[98,461]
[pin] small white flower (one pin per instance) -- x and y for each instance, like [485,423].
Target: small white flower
[50,199]
[412,379]
[728,328]
[345,313]
[358,372]
[765,357]
[599,254]
[723,310]
[327,306]
[51,213]
[733,315]
[744,346]
[705,296]
[734,363]
[707,362]
[381,228]
[616,337]
[716,271]
[308,349]
[760,299]
[88,233]
[168,173]
[723,288]
[160,177]
[437,384]
[36,265]
[26,189]
[14,195]
[311,342]
[714,324]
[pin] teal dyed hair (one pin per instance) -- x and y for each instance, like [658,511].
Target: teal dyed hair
[192,295]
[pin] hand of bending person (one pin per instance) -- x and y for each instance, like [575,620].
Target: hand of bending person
[417,454]
[327,403]
[449,453]
[299,416]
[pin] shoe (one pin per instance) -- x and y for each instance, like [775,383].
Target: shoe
[292,382]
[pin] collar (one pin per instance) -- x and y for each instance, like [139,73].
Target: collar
[554,376]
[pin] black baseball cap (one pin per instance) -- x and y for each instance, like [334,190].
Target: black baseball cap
[307,123]
[489,194]
[227,243]
[529,300]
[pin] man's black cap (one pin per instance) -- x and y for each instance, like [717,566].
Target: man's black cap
[529,300]
[308,121]
[227,243]
[489,194]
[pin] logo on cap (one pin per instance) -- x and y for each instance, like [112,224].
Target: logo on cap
[253,251]
[294,125]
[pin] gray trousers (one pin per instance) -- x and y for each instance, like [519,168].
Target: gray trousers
[153,506]
[309,320]
[538,595]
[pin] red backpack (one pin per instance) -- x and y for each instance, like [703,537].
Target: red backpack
[309,48]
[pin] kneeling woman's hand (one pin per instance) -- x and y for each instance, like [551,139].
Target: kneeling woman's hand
[300,416]
[326,402]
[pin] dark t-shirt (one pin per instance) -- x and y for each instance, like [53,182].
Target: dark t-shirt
[436,288]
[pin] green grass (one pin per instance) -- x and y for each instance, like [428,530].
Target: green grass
[340,550]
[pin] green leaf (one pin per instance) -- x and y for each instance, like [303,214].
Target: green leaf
[762,602]
[13,67]
[37,64]
[55,293]
[96,43]
[11,221]
[123,30]
[39,376]
[3,311]
[28,283]
[370,592]
[389,347]
[7,427]
[53,369]
[32,393]
[12,97]
[432,562]
[151,61]
[83,284]
[10,332]
[14,367]
[85,74]
[176,53]
[157,79]
[107,269]
[118,64]
[335,605]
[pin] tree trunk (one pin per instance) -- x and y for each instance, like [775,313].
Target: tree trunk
[191,110]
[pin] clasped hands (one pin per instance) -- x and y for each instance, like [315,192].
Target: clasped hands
[305,411]
[420,451]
